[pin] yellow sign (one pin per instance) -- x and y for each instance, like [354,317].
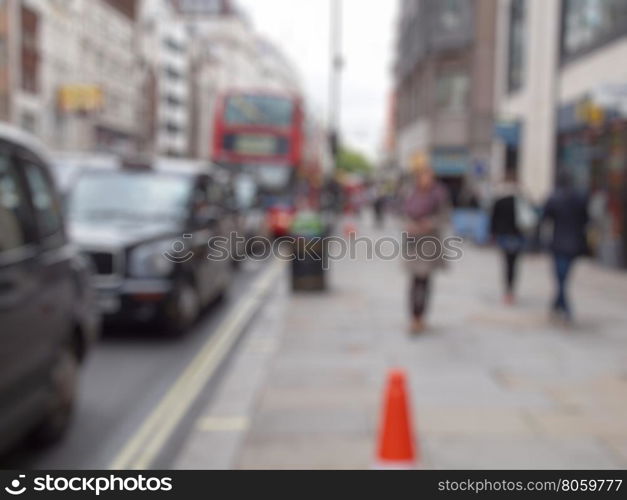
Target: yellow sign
[80,98]
[591,113]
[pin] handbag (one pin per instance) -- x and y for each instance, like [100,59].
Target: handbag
[526,216]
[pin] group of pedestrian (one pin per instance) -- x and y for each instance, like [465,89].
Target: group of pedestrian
[567,211]
[514,220]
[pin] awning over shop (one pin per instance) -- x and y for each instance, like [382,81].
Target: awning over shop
[451,162]
[509,132]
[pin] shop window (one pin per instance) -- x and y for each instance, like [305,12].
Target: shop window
[589,24]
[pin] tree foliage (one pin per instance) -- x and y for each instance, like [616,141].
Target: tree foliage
[353,162]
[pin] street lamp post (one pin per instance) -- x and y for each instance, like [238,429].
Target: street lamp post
[335,87]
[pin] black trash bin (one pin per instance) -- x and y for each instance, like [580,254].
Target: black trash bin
[310,255]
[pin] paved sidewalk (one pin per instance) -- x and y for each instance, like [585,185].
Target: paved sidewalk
[492,387]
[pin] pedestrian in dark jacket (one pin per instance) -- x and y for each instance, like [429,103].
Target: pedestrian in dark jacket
[567,209]
[506,231]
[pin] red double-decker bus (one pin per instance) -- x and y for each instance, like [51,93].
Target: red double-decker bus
[262,135]
[259,128]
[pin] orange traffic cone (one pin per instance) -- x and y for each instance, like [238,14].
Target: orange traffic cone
[397,448]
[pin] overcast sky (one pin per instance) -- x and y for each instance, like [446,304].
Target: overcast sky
[301,28]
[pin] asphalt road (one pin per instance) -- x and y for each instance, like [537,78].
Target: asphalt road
[126,376]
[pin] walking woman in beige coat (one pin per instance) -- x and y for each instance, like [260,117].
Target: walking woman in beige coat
[427,213]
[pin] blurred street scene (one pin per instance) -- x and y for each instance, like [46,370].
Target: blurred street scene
[176,177]
[492,388]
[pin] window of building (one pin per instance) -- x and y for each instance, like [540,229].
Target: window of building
[517,43]
[451,14]
[453,86]
[173,101]
[588,24]
[172,128]
[173,45]
[172,73]
[29,50]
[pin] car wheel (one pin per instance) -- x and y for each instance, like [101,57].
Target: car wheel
[64,383]
[186,307]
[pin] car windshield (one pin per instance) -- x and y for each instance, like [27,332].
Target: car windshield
[105,196]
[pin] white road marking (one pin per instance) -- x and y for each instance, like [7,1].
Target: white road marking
[223,424]
[141,451]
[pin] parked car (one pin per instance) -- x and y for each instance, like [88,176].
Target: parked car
[146,227]
[48,318]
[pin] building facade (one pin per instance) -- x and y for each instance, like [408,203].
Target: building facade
[562,105]
[166,59]
[25,64]
[92,77]
[70,72]
[129,76]
[227,54]
[445,89]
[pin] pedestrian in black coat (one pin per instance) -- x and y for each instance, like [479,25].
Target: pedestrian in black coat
[567,210]
[506,231]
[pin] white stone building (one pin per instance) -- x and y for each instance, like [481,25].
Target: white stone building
[165,52]
[526,90]
[227,54]
[77,46]
[21,65]
[562,104]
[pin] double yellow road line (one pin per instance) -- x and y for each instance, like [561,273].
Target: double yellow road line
[143,449]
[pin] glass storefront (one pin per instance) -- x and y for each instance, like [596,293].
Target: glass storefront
[596,158]
[588,24]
